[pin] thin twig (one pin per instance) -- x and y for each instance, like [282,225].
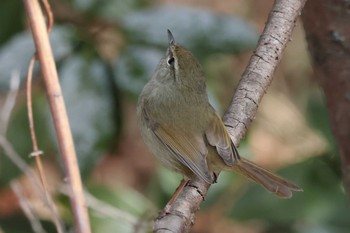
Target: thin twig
[22,166]
[104,208]
[26,207]
[50,19]
[252,87]
[6,145]
[33,178]
[9,102]
[37,153]
[110,211]
[16,159]
[59,114]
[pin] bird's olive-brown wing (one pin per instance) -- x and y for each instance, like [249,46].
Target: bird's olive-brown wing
[188,148]
[218,137]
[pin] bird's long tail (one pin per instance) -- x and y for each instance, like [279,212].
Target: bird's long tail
[273,183]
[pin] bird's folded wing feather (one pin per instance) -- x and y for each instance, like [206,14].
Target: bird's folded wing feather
[189,149]
[218,137]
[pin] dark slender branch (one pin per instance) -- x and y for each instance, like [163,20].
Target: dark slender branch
[252,87]
[326,24]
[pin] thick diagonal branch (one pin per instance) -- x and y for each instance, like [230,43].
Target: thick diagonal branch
[252,87]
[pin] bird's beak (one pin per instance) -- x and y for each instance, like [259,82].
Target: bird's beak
[171,39]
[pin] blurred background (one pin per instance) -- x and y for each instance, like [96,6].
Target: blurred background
[105,51]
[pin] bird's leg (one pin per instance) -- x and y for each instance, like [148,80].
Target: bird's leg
[173,197]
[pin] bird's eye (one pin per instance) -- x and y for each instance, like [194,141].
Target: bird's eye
[171,61]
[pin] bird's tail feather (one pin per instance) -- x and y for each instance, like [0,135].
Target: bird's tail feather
[273,183]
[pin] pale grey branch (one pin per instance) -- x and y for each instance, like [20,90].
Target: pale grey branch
[251,88]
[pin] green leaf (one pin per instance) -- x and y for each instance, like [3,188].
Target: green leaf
[20,224]
[10,11]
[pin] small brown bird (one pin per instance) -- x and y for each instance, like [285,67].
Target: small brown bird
[183,130]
